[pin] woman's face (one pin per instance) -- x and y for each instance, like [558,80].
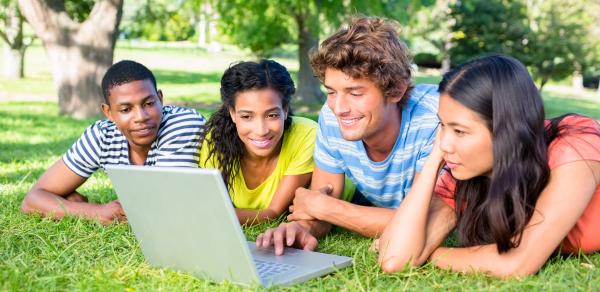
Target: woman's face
[259,118]
[465,140]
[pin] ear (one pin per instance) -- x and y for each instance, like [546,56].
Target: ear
[397,99]
[106,111]
[232,114]
[160,96]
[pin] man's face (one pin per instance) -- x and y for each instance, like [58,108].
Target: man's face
[359,105]
[136,109]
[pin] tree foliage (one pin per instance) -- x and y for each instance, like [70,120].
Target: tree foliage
[489,26]
[160,20]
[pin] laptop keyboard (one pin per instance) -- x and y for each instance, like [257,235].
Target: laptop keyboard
[271,269]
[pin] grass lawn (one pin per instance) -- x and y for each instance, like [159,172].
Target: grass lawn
[72,254]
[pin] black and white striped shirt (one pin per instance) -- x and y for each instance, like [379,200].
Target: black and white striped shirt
[103,144]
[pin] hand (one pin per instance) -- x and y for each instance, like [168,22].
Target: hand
[107,213]
[292,233]
[301,208]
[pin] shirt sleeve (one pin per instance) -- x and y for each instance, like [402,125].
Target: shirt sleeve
[425,151]
[325,156]
[302,145]
[445,188]
[579,140]
[83,157]
[179,141]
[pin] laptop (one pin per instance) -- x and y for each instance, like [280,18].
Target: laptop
[183,219]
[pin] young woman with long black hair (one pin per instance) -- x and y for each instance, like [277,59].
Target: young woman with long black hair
[516,187]
[262,151]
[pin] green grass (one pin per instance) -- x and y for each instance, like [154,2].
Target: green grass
[73,254]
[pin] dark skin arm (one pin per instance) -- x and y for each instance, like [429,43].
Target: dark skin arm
[54,195]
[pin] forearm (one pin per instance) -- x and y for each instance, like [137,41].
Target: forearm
[405,239]
[251,217]
[366,221]
[516,262]
[54,206]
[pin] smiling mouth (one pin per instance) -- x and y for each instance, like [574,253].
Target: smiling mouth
[263,143]
[451,165]
[349,121]
[143,131]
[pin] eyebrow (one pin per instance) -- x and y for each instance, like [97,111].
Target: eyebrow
[348,88]
[143,100]
[251,112]
[453,124]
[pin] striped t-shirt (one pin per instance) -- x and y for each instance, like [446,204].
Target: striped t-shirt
[103,144]
[383,183]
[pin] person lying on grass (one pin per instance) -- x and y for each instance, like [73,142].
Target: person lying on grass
[376,128]
[516,187]
[263,152]
[138,130]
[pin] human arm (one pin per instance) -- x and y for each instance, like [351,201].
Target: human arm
[420,224]
[281,200]
[558,208]
[54,195]
[304,233]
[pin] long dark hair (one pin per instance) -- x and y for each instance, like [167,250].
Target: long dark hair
[224,143]
[498,208]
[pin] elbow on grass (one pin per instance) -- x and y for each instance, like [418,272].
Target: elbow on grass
[395,264]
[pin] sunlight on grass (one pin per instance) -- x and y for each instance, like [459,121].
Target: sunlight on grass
[73,254]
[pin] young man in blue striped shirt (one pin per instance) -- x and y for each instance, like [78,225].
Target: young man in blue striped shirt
[376,128]
[138,130]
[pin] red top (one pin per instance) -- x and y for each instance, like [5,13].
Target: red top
[574,143]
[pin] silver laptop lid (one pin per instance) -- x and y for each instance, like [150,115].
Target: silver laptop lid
[185,225]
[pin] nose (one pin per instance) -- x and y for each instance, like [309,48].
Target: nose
[141,115]
[445,142]
[339,104]
[261,127]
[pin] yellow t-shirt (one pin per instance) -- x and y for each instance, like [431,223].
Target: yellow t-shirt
[295,158]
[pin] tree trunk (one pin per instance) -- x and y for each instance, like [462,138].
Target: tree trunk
[14,61]
[79,54]
[14,48]
[309,87]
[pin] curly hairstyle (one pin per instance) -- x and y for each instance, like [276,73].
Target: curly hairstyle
[225,146]
[368,48]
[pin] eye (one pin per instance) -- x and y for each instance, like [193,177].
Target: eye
[245,117]
[124,110]
[459,132]
[330,93]
[273,116]
[356,94]
[150,103]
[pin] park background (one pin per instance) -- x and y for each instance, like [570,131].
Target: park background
[55,53]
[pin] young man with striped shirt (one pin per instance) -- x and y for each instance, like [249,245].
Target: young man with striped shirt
[376,128]
[138,130]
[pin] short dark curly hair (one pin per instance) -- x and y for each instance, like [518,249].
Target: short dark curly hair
[369,47]
[124,72]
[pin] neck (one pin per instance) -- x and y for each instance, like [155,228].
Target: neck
[138,154]
[380,144]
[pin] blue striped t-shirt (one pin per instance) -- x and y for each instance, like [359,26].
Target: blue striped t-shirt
[383,183]
[103,144]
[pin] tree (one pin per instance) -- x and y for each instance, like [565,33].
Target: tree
[489,26]
[263,25]
[559,39]
[79,53]
[160,20]
[16,43]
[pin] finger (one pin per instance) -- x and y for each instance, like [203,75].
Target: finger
[259,240]
[291,208]
[309,242]
[278,240]
[267,236]
[290,235]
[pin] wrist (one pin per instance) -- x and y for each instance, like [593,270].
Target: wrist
[320,206]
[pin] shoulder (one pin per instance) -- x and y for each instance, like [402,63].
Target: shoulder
[578,139]
[180,114]
[425,96]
